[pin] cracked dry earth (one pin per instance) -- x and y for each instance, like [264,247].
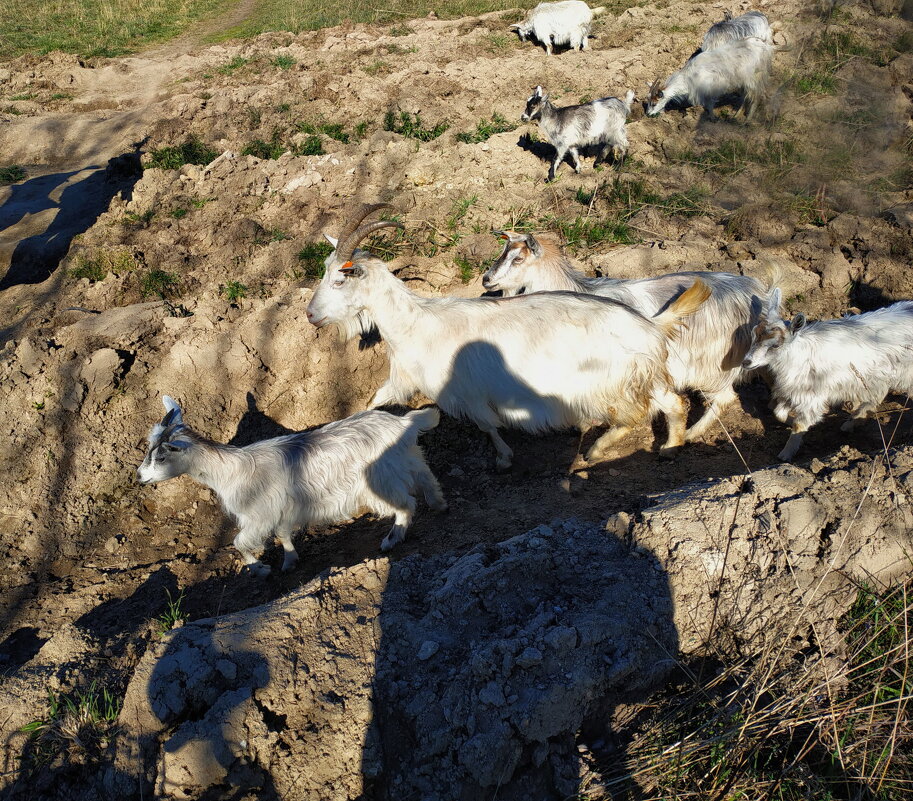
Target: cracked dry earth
[479,653]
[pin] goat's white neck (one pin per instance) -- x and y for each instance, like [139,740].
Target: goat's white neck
[219,467]
[392,307]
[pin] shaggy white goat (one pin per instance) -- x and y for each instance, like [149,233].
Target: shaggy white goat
[741,67]
[600,122]
[565,23]
[707,354]
[275,487]
[731,29]
[856,360]
[536,362]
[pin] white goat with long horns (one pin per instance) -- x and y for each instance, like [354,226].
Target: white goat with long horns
[370,460]
[536,362]
[706,355]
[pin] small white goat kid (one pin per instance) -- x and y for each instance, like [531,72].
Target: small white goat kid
[856,360]
[536,362]
[705,356]
[370,460]
[600,122]
[741,67]
[558,24]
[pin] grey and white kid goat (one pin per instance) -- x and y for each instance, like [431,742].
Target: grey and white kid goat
[272,488]
[600,123]
[740,68]
[705,356]
[536,362]
[566,23]
[857,360]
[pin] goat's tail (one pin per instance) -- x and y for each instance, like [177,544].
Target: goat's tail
[597,10]
[424,419]
[687,303]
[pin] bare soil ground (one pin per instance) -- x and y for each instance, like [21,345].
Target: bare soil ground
[817,193]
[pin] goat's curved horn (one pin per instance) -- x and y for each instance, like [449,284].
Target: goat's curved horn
[654,87]
[353,232]
[346,250]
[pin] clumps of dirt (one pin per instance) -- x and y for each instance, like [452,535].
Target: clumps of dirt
[456,674]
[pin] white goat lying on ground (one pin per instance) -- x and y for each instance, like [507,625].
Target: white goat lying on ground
[707,354]
[600,122]
[856,360]
[558,24]
[536,362]
[275,487]
[737,68]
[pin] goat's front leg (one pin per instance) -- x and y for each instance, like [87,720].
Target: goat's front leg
[605,443]
[559,157]
[245,542]
[575,154]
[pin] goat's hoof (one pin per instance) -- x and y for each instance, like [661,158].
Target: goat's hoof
[256,569]
[848,426]
[503,466]
[289,564]
[669,452]
[440,508]
[785,456]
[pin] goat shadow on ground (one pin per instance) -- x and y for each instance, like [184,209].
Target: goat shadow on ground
[546,152]
[81,202]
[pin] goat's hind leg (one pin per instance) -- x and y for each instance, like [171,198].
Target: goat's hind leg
[606,442]
[672,405]
[718,401]
[859,413]
[402,519]
[290,558]
[430,489]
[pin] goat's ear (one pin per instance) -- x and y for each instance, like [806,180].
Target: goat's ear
[537,92]
[533,245]
[501,235]
[514,27]
[774,299]
[331,239]
[798,323]
[172,411]
[350,270]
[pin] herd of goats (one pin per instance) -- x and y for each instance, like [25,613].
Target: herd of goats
[557,350]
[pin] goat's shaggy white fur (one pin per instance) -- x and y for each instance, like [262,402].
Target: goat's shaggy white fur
[856,360]
[753,23]
[706,356]
[370,460]
[741,67]
[535,362]
[600,122]
[564,23]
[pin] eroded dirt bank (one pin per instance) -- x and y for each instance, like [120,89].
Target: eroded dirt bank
[117,288]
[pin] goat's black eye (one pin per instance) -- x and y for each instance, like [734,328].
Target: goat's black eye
[660,95]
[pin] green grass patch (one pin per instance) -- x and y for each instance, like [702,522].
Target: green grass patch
[284,62]
[12,174]
[179,213]
[312,257]
[312,146]
[158,283]
[264,150]
[234,292]
[586,232]
[335,130]
[80,724]
[192,151]
[484,130]
[96,27]
[230,67]
[468,269]
[97,266]
[173,614]
[412,127]
[734,155]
